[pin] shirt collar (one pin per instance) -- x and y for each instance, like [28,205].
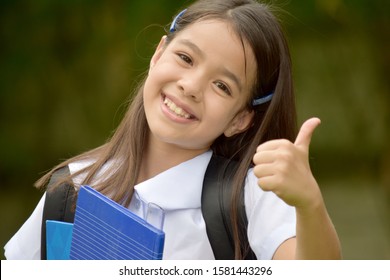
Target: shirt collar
[179,187]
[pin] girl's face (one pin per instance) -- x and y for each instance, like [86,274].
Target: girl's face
[198,86]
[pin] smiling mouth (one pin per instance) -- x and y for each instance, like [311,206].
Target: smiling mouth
[178,111]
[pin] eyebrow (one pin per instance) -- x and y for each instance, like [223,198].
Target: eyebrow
[192,46]
[224,70]
[232,77]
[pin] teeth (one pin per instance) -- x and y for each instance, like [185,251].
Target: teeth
[177,110]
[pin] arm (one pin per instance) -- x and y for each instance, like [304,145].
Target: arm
[316,235]
[316,238]
[283,168]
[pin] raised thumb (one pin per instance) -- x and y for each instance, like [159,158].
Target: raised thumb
[306,132]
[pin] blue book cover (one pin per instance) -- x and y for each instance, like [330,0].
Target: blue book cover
[58,240]
[105,230]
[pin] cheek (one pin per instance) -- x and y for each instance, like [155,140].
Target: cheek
[153,82]
[158,77]
[151,79]
[220,114]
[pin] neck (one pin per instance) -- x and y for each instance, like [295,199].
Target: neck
[159,157]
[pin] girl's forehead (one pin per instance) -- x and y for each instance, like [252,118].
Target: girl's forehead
[210,31]
[210,26]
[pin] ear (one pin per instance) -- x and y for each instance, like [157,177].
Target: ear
[240,123]
[159,51]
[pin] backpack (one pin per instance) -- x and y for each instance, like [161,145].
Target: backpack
[216,195]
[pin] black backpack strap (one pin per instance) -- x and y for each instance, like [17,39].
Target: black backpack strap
[216,205]
[59,204]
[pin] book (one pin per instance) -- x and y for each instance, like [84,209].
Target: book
[105,230]
[58,240]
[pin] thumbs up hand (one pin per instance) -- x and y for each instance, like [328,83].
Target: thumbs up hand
[283,168]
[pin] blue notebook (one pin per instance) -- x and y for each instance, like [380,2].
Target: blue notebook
[58,240]
[105,230]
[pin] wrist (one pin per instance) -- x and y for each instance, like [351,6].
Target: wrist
[313,203]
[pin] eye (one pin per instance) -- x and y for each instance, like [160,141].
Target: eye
[185,58]
[223,87]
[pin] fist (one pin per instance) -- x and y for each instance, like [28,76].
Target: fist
[283,168]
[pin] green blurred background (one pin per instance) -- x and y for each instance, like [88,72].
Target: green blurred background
[67,68]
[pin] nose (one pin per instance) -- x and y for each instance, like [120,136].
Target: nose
[191,86]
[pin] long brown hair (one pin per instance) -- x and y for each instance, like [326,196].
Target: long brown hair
[254,23]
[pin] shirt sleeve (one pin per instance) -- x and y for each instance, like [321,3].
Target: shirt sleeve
[26,243]
[270,220]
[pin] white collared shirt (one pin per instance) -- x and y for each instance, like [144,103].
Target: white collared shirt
[178,192]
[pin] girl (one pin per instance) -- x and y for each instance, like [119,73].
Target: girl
[220,82]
